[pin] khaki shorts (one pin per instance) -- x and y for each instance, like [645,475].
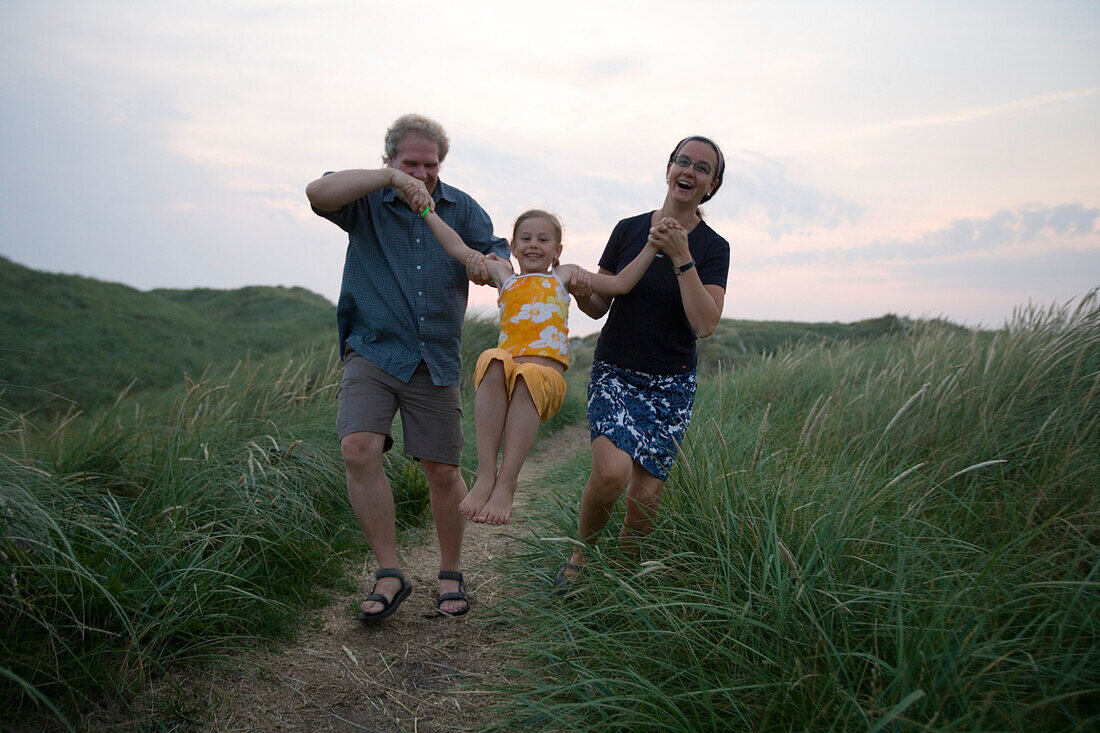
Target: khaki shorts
[431,416]
[546,384]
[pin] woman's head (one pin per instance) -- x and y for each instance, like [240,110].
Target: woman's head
[699,154]
[536,240]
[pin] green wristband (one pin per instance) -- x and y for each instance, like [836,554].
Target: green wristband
[424,213]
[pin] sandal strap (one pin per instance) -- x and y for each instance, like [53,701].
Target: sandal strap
[452,597]
[450,575]
[389,573]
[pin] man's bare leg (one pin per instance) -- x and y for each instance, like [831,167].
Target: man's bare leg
[372,501]
[447,491]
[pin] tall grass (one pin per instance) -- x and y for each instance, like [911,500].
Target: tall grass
[177,526]
[142,538]
[901,534]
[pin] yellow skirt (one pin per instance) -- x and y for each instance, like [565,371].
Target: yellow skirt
[546,384]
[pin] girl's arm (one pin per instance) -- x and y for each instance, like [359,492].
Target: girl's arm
[580,287]
[419,199]
[625,280]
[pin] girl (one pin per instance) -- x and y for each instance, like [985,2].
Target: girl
[519,384]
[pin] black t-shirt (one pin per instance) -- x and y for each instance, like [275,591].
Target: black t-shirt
[647,329]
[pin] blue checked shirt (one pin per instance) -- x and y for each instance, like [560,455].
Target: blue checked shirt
[403,298]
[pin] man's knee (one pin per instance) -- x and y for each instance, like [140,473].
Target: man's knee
[440,475]
[361,450]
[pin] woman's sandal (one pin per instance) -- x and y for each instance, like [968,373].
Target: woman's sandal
[389,605]
[459,596]
[562,581]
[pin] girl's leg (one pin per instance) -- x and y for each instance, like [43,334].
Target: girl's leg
[643,496]
[611,471]
[520,428]
[490,411]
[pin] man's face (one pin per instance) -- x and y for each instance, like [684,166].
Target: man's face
[419,157]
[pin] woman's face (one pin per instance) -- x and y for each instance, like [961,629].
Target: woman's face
[687,184]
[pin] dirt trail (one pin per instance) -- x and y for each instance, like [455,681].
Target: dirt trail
[402,674]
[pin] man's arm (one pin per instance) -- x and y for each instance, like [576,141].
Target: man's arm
[477,233]
[421,202]
[334,191]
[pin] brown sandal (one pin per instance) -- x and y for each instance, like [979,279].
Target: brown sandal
[389,604]
[459,596]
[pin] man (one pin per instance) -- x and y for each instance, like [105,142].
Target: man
[402,303]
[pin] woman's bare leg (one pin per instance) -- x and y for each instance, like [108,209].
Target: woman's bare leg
[611,472]
[643,496]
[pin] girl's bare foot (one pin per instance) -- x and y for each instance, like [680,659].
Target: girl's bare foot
[473,503]
[498,510]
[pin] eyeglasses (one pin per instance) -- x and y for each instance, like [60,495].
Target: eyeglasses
[702,166]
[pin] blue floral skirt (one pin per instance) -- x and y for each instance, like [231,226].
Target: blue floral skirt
[644,415]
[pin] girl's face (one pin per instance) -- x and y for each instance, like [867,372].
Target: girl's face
[535,244]
[687,185]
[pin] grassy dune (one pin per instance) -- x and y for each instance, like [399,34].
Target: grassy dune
[900,534]
[879,525]
[73,343]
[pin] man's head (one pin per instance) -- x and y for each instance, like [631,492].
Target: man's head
[416,145]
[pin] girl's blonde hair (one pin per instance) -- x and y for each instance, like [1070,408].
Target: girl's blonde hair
[539,214]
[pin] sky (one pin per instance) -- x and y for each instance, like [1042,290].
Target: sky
[926,159]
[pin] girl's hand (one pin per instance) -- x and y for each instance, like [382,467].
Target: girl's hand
[580,283]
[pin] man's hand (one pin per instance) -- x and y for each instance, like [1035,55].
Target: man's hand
[417,196]
[398,179]
[477,268]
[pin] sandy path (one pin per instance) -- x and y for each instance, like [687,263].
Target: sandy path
[403,674]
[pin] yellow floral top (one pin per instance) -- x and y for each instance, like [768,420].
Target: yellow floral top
[534,316]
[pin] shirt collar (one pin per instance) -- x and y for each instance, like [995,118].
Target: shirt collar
[443,192]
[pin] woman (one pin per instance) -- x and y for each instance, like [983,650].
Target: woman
[642,386]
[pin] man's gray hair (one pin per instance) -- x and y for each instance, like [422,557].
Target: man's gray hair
[421,125]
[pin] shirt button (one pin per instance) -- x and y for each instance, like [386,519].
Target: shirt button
[419,292]
[418,241]
[418,267]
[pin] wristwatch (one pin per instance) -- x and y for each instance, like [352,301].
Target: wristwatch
[681,269]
